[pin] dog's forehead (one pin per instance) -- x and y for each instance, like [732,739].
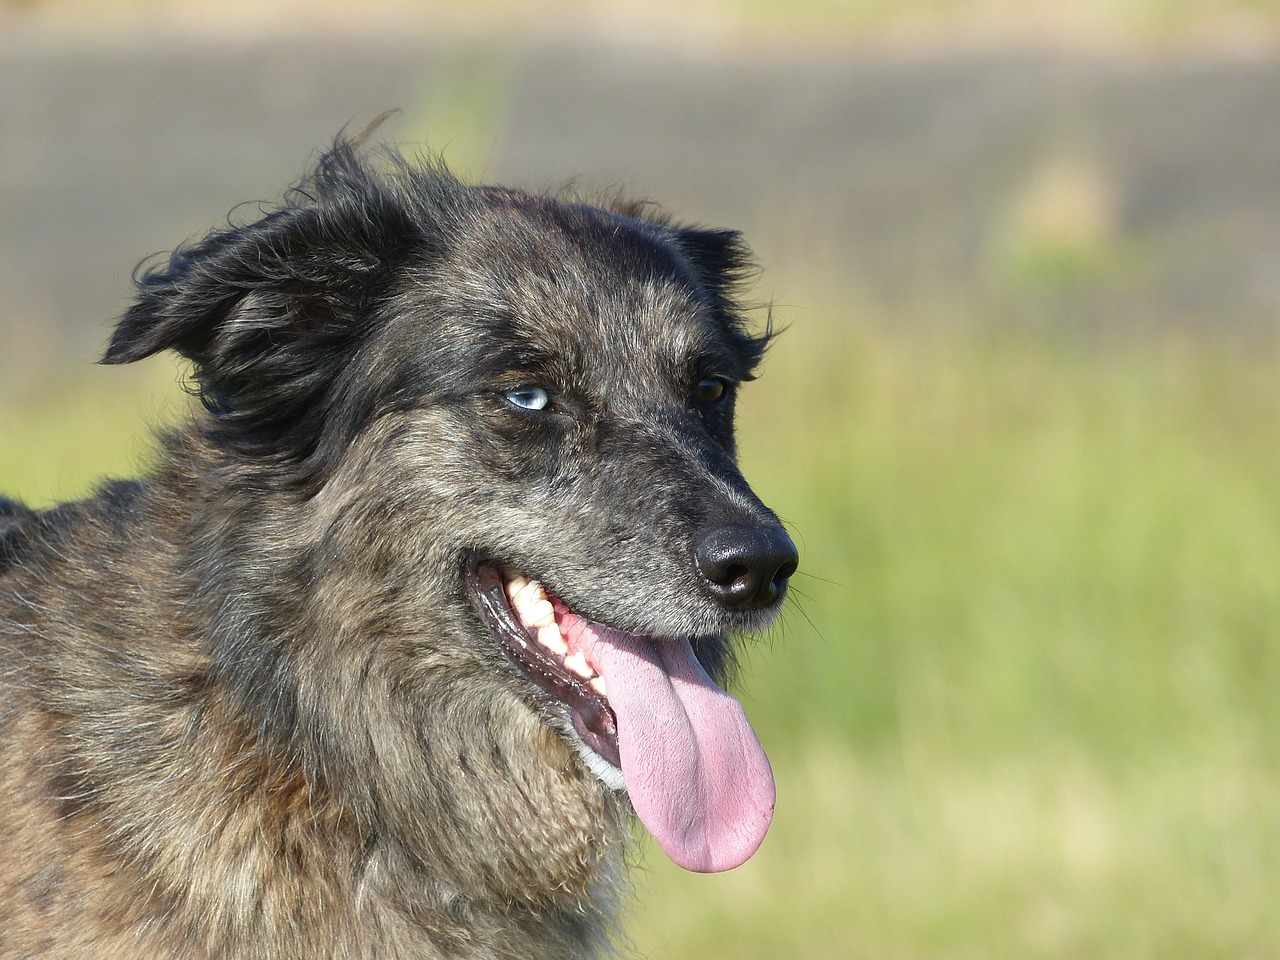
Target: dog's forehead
[576,280]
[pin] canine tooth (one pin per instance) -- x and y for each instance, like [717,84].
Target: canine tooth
[540,613]
[550,638]
[597,684]
[577,663]
[532,592]
[515,584]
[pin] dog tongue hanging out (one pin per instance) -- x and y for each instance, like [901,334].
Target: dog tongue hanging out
[697,776]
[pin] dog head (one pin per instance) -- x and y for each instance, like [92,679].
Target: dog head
[504,423]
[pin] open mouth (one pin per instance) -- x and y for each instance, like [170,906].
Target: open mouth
[546,642]
[647,719]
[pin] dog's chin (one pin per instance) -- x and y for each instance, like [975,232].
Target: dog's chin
[524,619]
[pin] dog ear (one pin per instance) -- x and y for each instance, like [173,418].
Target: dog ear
[210,295]
[234,293]
[720,257]
[308,267]
[724,266]
[270,312]
[267,311]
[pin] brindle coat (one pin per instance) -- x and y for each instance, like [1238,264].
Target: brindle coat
[246,708]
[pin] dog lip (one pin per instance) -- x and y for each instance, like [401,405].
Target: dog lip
[592,720]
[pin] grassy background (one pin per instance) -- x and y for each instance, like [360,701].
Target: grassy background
[1024,700]
[1026,705]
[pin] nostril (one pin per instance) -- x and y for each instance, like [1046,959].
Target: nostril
[788,568]
[745,566]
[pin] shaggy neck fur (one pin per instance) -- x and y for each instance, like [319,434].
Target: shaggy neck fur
[284,829]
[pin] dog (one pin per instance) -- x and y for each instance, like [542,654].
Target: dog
[432,593]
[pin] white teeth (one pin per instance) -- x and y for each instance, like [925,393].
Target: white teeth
[529,600]
[577,663]
[540,613]
[523,590]
[531,593]
[549,637]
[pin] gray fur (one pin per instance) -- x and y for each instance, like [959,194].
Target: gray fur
[246,708]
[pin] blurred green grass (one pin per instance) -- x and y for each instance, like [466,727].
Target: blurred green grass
[63,436]
[1023,703]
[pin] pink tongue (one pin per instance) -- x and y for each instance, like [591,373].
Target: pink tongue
[697,776]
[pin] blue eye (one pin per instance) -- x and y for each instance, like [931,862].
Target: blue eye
[528,398]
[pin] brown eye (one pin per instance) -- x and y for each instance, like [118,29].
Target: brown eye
[709,390]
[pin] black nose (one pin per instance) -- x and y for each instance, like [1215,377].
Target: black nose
[745,567]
